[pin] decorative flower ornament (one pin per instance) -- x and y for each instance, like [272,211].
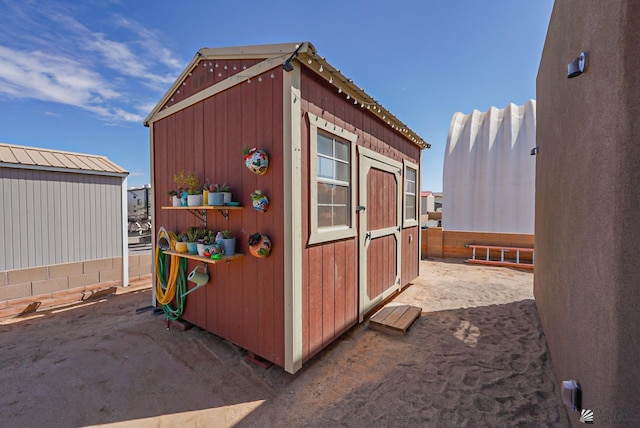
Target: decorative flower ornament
[256,160]
[259,245]
[259,201]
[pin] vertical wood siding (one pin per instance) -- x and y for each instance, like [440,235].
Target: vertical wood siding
[244,299]
[411,255]
[55,217]
[330,270]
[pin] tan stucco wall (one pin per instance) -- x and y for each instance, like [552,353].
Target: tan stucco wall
[60,284]
[587,283]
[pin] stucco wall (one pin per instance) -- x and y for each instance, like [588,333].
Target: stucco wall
[586,282]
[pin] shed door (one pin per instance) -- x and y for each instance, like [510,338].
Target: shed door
[379,230]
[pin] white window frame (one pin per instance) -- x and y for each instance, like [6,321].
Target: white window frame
[411,222]
[319,235]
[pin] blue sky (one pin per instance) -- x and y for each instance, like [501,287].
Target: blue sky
[82,76]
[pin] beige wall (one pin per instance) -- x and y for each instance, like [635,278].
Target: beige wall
[60,284]
[587,284]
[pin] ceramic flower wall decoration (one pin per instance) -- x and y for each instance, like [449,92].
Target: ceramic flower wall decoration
[260,201]
[256,160]
[259,245]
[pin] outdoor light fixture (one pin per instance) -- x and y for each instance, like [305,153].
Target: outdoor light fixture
[577,65]
[571,394]
[534,151]
[288,66]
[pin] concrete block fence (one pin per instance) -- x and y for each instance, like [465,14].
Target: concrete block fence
[61,284]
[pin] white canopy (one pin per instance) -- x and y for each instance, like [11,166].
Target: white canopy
[489,173]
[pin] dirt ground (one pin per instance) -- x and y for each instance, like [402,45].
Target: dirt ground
[475,357]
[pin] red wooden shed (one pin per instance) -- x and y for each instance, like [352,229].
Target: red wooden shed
[342,182]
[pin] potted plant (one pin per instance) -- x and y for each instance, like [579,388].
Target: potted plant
[215,197]
[192,239]
[192,196]
[228,242]
[194,191]
[181,243]
[175,197]
[226,191]
[182,182]
[211,248]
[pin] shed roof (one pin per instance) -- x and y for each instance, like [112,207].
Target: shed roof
[15,156]
[277,55]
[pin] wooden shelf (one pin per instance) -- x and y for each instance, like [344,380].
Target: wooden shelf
[206,207]
[223,259]
[201,211]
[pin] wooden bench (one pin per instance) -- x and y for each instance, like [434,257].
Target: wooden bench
[502,262]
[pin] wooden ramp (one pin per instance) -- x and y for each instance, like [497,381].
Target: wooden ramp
[395,319]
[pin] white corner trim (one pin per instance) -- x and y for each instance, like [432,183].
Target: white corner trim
[292,150]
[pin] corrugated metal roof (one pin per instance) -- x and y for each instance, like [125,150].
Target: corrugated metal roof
[11,154]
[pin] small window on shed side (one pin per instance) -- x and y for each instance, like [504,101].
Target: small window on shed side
[332,178]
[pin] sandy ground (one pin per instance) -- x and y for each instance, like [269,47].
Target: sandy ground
[475,357]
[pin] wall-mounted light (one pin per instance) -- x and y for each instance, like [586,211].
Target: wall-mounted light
[288,66]
[534,151]
[577,65]
[571,394]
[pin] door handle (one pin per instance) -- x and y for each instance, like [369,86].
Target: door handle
[361,208]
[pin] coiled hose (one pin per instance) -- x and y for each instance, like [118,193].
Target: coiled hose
[171,287]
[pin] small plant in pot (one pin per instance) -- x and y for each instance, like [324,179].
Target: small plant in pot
[181,243]
[215,197]
[194,191]
[225,190]
[192,239]
[228,242]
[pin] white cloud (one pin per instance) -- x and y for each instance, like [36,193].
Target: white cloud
[54,57]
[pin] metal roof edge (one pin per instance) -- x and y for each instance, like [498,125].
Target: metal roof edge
[61,169]
[305,54]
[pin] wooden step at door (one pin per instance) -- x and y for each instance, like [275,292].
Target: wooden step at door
[395,319]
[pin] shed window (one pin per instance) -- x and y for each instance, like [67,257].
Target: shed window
[332,175]
[410,195]
[334,182]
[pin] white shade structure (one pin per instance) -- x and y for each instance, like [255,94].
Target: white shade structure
[489,172]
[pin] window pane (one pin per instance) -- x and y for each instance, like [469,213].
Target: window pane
[410,208]
[325,145]
[324,216]
[340,216]
[340,195]
[324,193]
[342,151]
[325,167]
[411,174]
[411,187]
[342,172]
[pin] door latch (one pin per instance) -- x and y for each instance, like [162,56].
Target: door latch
[361,208]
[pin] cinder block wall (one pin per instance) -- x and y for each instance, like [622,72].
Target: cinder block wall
[60,284]
[437,242]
